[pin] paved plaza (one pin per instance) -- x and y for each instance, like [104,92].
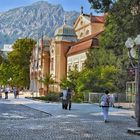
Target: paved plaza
[25,119]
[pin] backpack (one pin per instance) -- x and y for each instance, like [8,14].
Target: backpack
[105,101]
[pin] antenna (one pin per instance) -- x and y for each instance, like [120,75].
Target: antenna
[65,21]
[41,17]
[82,10]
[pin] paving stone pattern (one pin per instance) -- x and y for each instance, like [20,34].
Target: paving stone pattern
[83,122]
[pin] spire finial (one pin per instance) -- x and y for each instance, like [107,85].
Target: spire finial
[82,10]
[65,21]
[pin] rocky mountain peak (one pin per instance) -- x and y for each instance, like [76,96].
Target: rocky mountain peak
[32,21]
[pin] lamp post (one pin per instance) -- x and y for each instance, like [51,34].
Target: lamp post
[9,81]
[130,45]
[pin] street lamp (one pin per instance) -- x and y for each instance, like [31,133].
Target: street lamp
[130,46]
[9,80]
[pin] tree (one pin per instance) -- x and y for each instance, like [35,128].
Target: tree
[98,79]
[72,77]
[1,59]
[48,80]
[5,73]
[101,5]
[104,70]
[65,83]
[122,21]
[101,71]
[102,57]
[19,60]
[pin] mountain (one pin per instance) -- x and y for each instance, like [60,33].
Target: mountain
[32,21]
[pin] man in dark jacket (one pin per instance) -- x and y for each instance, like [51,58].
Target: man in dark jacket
[69,100]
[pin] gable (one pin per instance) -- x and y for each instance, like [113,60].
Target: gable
[81,22]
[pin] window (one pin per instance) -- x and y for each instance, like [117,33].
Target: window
[69,67]
[52,64]
[81,34]
[52,51]
[95,42]
[81,23]
[76,66]
[83,65]
[87,32]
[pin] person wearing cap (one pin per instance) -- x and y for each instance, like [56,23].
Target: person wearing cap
[105,103]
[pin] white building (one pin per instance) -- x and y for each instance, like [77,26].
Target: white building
[6,49]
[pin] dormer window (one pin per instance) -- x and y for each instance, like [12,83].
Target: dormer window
[81,34]
[81,23]
[52,64]
[95,42]
[87,32]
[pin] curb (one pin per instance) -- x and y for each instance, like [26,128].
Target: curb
[37,109]
[135,131]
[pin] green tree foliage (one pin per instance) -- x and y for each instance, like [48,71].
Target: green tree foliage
[19,60]
[71,81]
[5,73]
[100,57]
[98,79]
[105,70]
[101,71]
[48,80]
[102,5]
[73,75]
[123,21]
[65,83]
[1,59]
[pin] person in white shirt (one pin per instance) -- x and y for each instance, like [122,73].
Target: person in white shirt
[105,103]
[69,97]
[0,93]
[6,92]
[64,99]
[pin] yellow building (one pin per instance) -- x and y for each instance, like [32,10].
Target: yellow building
[67,49]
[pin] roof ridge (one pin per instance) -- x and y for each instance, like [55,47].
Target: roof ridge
[89,37]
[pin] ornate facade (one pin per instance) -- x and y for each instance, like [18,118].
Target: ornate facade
[67,49]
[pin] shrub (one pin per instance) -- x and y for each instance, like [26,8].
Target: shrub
[78,98]
[53,97]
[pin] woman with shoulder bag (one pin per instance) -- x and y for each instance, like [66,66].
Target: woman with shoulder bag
[105,102]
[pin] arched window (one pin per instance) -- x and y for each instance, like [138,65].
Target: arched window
[95,42]
[81,23]
[87,32]
[69,67]
[81,34]
[52,51]
[52,64]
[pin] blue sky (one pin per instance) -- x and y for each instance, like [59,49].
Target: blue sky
[68,5]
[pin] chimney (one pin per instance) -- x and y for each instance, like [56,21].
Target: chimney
[82,10]
[91,16]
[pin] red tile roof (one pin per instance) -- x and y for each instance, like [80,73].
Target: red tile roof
[83,44]
[99,19]
[96,35]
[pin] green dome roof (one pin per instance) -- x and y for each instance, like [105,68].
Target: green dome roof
[65,33]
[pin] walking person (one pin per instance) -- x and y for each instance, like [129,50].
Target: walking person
[69,98]
[0,93]
[105,103]
[15,92]
[64,99]
[6,92]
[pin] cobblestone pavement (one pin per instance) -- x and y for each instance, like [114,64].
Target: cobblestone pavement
[83,122]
